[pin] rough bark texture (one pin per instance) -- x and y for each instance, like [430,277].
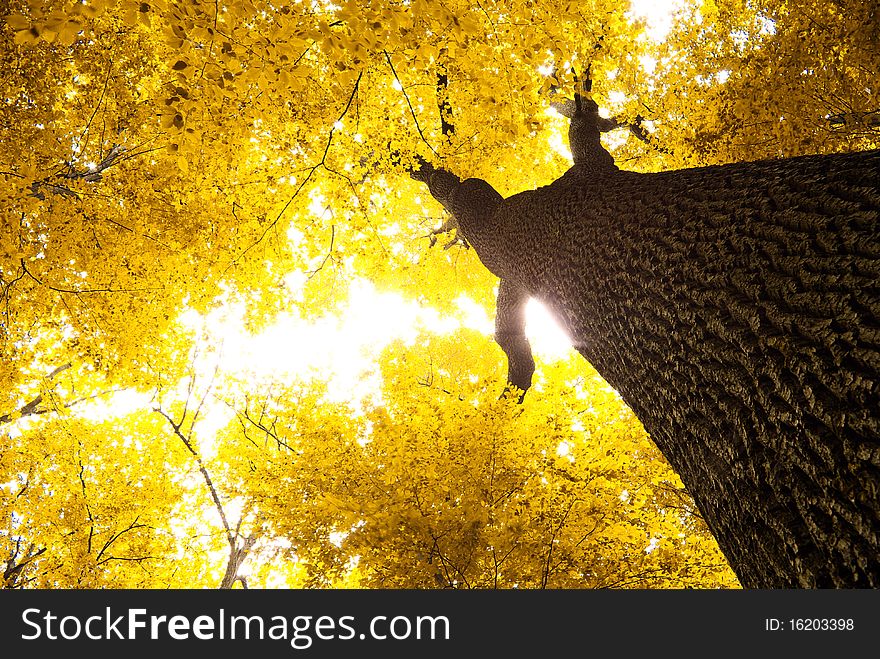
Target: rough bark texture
[736,309]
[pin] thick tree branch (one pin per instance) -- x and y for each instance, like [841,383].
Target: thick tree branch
[869,120]
[89,174]
[443,104]
[510,323]
[237,556]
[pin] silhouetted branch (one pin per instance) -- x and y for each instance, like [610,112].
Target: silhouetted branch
[326,256]
[311,172]
[411,110]
[83,290]
[15,568]
[31,407]
[443,104]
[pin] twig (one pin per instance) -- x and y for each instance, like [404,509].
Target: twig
[411,110]
[85,290]
[327,256]
[202,469]
[95,112]
[299,188]
[31,407]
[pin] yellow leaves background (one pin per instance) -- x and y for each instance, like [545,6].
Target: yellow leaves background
[441,484]
[161,160]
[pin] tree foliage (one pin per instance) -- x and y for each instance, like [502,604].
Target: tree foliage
[160,161]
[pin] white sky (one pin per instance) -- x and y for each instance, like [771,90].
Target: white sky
[343,348]
[339,350]
[658,15]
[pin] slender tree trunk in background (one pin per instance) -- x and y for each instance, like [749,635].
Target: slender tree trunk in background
[736,309]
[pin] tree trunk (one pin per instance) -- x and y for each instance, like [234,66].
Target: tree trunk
[736,309]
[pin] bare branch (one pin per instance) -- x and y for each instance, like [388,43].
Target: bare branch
[237,552]
[328,255]
[443,104]
[187,442]
[85,134]
[411,110]
[308,177]
[131,527]
[84,290]
[14,570]
[32,406]
[450,225]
